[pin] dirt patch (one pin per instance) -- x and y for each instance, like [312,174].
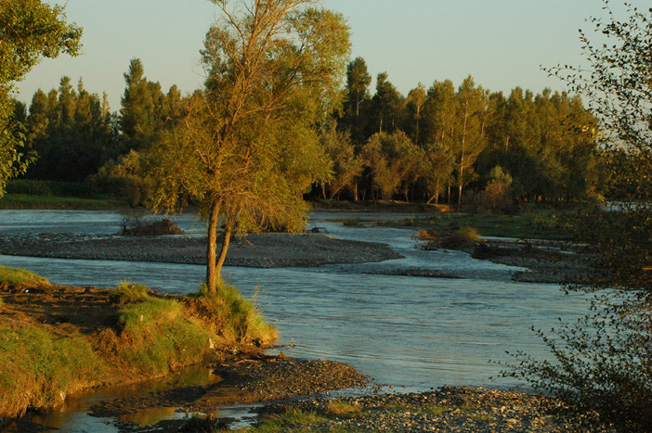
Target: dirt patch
[265,250]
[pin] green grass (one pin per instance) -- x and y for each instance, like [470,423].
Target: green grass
[127,292]
[294,419]
[20,276]
[153,335]
[38,369]
[338,408]
[547,224]
[156,337]
[25,201]
[233,316]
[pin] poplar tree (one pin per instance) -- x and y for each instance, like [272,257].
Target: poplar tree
[356,102]
[247,149]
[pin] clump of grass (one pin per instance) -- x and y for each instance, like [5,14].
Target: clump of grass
[127,293]
[155,337]
[460,238]
[291,418]
[232,316]
[200,423]
[20,276]
[338,408]
[353,222]
[38,369]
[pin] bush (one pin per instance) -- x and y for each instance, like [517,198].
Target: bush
[460,238]
[124,179]
[601,364]
[137,226]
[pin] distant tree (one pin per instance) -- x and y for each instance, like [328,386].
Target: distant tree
[356,100]
[138,115]
[386,107]
[247,149]
[415,103]
[440,125]
[71,131]
[393,159]
[29,31]
[346,165]
[470,138]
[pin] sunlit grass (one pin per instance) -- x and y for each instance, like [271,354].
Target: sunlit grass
[39,369]
[232,315]
[20,276]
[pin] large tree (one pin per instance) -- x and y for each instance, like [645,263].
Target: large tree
[29,31]
[248,148]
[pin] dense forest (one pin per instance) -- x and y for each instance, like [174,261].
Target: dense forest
[441,144]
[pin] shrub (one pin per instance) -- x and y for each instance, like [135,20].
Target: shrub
[460,238]
[137,226]
[124,179]
[497,195]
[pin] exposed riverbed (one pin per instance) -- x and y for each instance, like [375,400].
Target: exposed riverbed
[406,331]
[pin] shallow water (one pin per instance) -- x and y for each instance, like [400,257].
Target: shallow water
[410,332]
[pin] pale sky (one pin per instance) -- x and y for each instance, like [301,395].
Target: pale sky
[501,43]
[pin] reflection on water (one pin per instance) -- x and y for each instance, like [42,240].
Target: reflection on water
[410,331]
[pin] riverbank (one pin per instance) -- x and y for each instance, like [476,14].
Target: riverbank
[446,410]
[56,341]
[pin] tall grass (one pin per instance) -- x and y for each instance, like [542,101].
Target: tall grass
[155,337]
[12,276]
[232,316]
[38,369]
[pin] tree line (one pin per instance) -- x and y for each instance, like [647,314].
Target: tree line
[432,145]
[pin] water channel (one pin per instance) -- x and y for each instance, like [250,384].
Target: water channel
[414,333]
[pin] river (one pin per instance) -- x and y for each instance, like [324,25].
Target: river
[414,333]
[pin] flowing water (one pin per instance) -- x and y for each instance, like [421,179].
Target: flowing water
[414,333]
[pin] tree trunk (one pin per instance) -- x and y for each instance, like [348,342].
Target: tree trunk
[355,191]
[226,240]
[212,273]
[459,198]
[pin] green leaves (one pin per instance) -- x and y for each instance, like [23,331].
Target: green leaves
[29,31]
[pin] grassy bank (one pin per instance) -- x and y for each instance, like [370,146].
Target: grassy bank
[56,341]
[27,201]
[549,224]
